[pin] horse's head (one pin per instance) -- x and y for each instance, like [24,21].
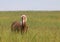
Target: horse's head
[24,18]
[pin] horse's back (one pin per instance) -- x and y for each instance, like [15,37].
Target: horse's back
[15,25]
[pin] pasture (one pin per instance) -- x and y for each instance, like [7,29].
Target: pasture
[43,26]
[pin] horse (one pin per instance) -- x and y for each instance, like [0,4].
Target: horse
[20,26]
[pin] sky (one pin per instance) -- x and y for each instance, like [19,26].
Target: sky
[12,5]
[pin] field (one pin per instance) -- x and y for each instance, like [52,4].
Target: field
[43,26]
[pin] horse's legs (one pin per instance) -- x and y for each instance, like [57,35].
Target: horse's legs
[23,30]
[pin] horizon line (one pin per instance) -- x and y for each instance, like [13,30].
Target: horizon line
[29,10]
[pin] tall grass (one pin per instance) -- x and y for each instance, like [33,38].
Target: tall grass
[43,27]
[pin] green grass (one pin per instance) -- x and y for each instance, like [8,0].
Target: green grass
[43,26]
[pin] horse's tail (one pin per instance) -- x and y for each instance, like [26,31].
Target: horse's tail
[12,26]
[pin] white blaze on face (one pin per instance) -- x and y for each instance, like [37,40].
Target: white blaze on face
[24,18]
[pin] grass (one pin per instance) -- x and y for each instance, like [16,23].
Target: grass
[43,26]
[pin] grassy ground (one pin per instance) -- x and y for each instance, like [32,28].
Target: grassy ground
[43,27]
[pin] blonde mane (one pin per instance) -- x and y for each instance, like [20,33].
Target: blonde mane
[24,18]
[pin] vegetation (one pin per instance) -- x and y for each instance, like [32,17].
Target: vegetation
[43,26]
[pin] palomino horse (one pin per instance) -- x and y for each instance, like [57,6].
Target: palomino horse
[20,26]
